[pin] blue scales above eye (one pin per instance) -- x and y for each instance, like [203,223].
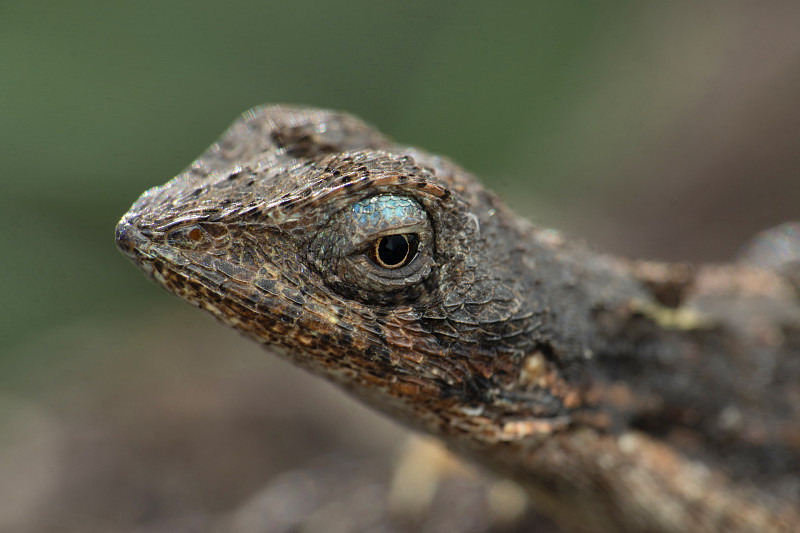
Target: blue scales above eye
[387,211]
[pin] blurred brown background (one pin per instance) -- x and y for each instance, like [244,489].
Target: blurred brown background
[670,131]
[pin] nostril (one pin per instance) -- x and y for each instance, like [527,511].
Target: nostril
[195,234]
[187,237]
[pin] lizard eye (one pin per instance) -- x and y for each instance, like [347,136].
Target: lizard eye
[375,247]
[394,251]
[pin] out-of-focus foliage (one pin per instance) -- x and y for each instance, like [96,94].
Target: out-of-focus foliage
[551,100]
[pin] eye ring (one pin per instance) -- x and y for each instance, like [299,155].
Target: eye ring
[394,251]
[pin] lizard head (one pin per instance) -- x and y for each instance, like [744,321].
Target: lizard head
[382,268]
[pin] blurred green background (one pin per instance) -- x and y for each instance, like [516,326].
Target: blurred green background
[668,130]
[557,103]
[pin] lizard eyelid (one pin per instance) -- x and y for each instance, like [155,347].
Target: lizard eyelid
[395,229]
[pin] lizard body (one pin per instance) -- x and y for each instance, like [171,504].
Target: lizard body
[625,395]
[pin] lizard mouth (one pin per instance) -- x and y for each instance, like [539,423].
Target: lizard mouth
[130,240]
[138,248]
[157,261]
[190,275]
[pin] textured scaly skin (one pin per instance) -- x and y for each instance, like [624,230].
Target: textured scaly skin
[626,396]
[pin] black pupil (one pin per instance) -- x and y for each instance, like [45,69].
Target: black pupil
[393,249]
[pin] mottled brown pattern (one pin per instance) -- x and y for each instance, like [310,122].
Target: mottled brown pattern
[625,396]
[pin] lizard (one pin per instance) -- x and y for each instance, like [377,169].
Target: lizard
[624,395]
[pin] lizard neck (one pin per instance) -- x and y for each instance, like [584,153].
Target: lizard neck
[605,363]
